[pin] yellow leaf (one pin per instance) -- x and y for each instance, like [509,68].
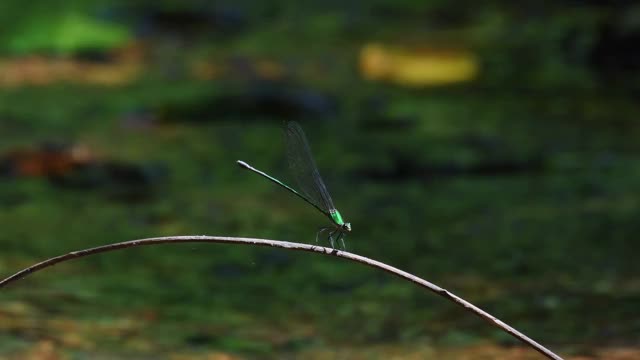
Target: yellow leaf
[417,68]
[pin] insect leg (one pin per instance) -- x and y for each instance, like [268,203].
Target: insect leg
[321,231]
[341,238]
[333,245]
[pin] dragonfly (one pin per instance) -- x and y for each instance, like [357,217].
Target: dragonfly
[312,189]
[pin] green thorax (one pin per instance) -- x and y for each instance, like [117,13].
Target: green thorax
[336,217]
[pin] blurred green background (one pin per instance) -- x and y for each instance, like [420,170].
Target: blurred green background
[491,149]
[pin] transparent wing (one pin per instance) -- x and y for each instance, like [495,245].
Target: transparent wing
[304,168]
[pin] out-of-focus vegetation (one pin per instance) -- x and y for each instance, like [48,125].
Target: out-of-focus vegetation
[491,149]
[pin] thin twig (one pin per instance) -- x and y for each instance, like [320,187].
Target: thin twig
[291,246]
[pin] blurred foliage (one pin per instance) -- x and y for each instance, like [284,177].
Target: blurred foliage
[68,33]
[516,188]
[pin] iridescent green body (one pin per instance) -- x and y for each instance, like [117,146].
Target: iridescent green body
[340,227]
[313,190]
[336,217]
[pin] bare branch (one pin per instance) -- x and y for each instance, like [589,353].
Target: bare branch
[291,246]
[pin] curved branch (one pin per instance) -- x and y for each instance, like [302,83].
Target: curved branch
[291,246]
